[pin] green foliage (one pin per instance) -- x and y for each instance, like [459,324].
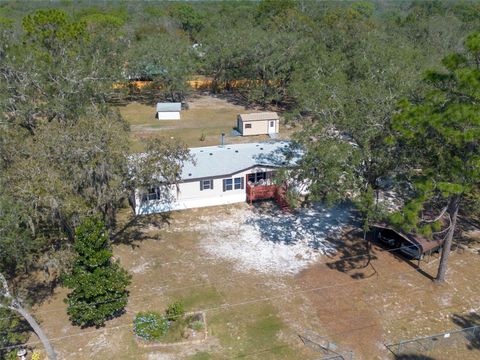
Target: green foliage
[167,60]
[268,9]
[13,331]
[154,11]
[99,283]
[150,325]
[16,241]
[48,28]
[364,8]
[6,23]
[175,311]
[368,208]
[197,325]
[293,197]
[190,20]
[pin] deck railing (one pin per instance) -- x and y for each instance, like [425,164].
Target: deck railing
[266,192]
[260,192]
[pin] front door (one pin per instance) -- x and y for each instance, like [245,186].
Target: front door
[271,127]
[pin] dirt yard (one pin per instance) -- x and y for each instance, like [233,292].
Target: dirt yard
[201,125]
[263,278]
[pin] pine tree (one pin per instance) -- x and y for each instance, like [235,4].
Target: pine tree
[441,136]
[98,282]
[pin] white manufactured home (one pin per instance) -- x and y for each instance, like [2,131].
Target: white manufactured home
[219,175]
[169,111]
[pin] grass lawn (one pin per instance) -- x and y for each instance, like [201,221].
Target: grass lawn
[201,125]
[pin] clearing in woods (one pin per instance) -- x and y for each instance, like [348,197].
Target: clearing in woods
[257,308]
[201,125]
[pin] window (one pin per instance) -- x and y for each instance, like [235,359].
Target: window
[227,184]
[261,178]
[248,126]
[206,184]
[272,124]
[151,194]
[238,183]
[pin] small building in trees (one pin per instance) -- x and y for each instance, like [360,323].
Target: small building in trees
[169,111]
[262,123]
[225,174]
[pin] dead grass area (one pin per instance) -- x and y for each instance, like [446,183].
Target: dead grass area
[390,299]
[201,125]
[256,315]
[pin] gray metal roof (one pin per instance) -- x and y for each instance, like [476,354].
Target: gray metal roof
[213,161]
[169,107]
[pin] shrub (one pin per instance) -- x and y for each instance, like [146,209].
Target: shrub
[150,325]
[175,311]
[197,325]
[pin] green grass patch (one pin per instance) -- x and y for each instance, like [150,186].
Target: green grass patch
[198,298]
[200,356]
[251,331]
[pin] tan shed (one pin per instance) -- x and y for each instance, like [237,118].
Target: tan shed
[258,123]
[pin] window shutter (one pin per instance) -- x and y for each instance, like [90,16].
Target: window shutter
[201,185]
[223,185]
[211,184]
[242,183]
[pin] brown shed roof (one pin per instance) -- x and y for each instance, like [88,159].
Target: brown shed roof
[268,115]
[415,239]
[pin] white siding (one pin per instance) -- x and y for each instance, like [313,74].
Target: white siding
[259,127]
[190,196]
[168,115]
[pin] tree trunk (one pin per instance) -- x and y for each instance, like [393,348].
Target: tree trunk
[453,212]
[36,328]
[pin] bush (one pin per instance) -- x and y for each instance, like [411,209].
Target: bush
[197,325]
[175,311]
[150,325]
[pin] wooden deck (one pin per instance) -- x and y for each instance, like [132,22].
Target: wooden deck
[267,192]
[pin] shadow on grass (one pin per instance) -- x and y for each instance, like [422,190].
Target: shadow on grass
[356,255]
[133,231]
[467,321]
[413,357]
[233,97]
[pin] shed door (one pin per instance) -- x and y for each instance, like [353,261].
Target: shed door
[271,126]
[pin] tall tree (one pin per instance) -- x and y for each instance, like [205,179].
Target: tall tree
[98,282]
[441,135]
